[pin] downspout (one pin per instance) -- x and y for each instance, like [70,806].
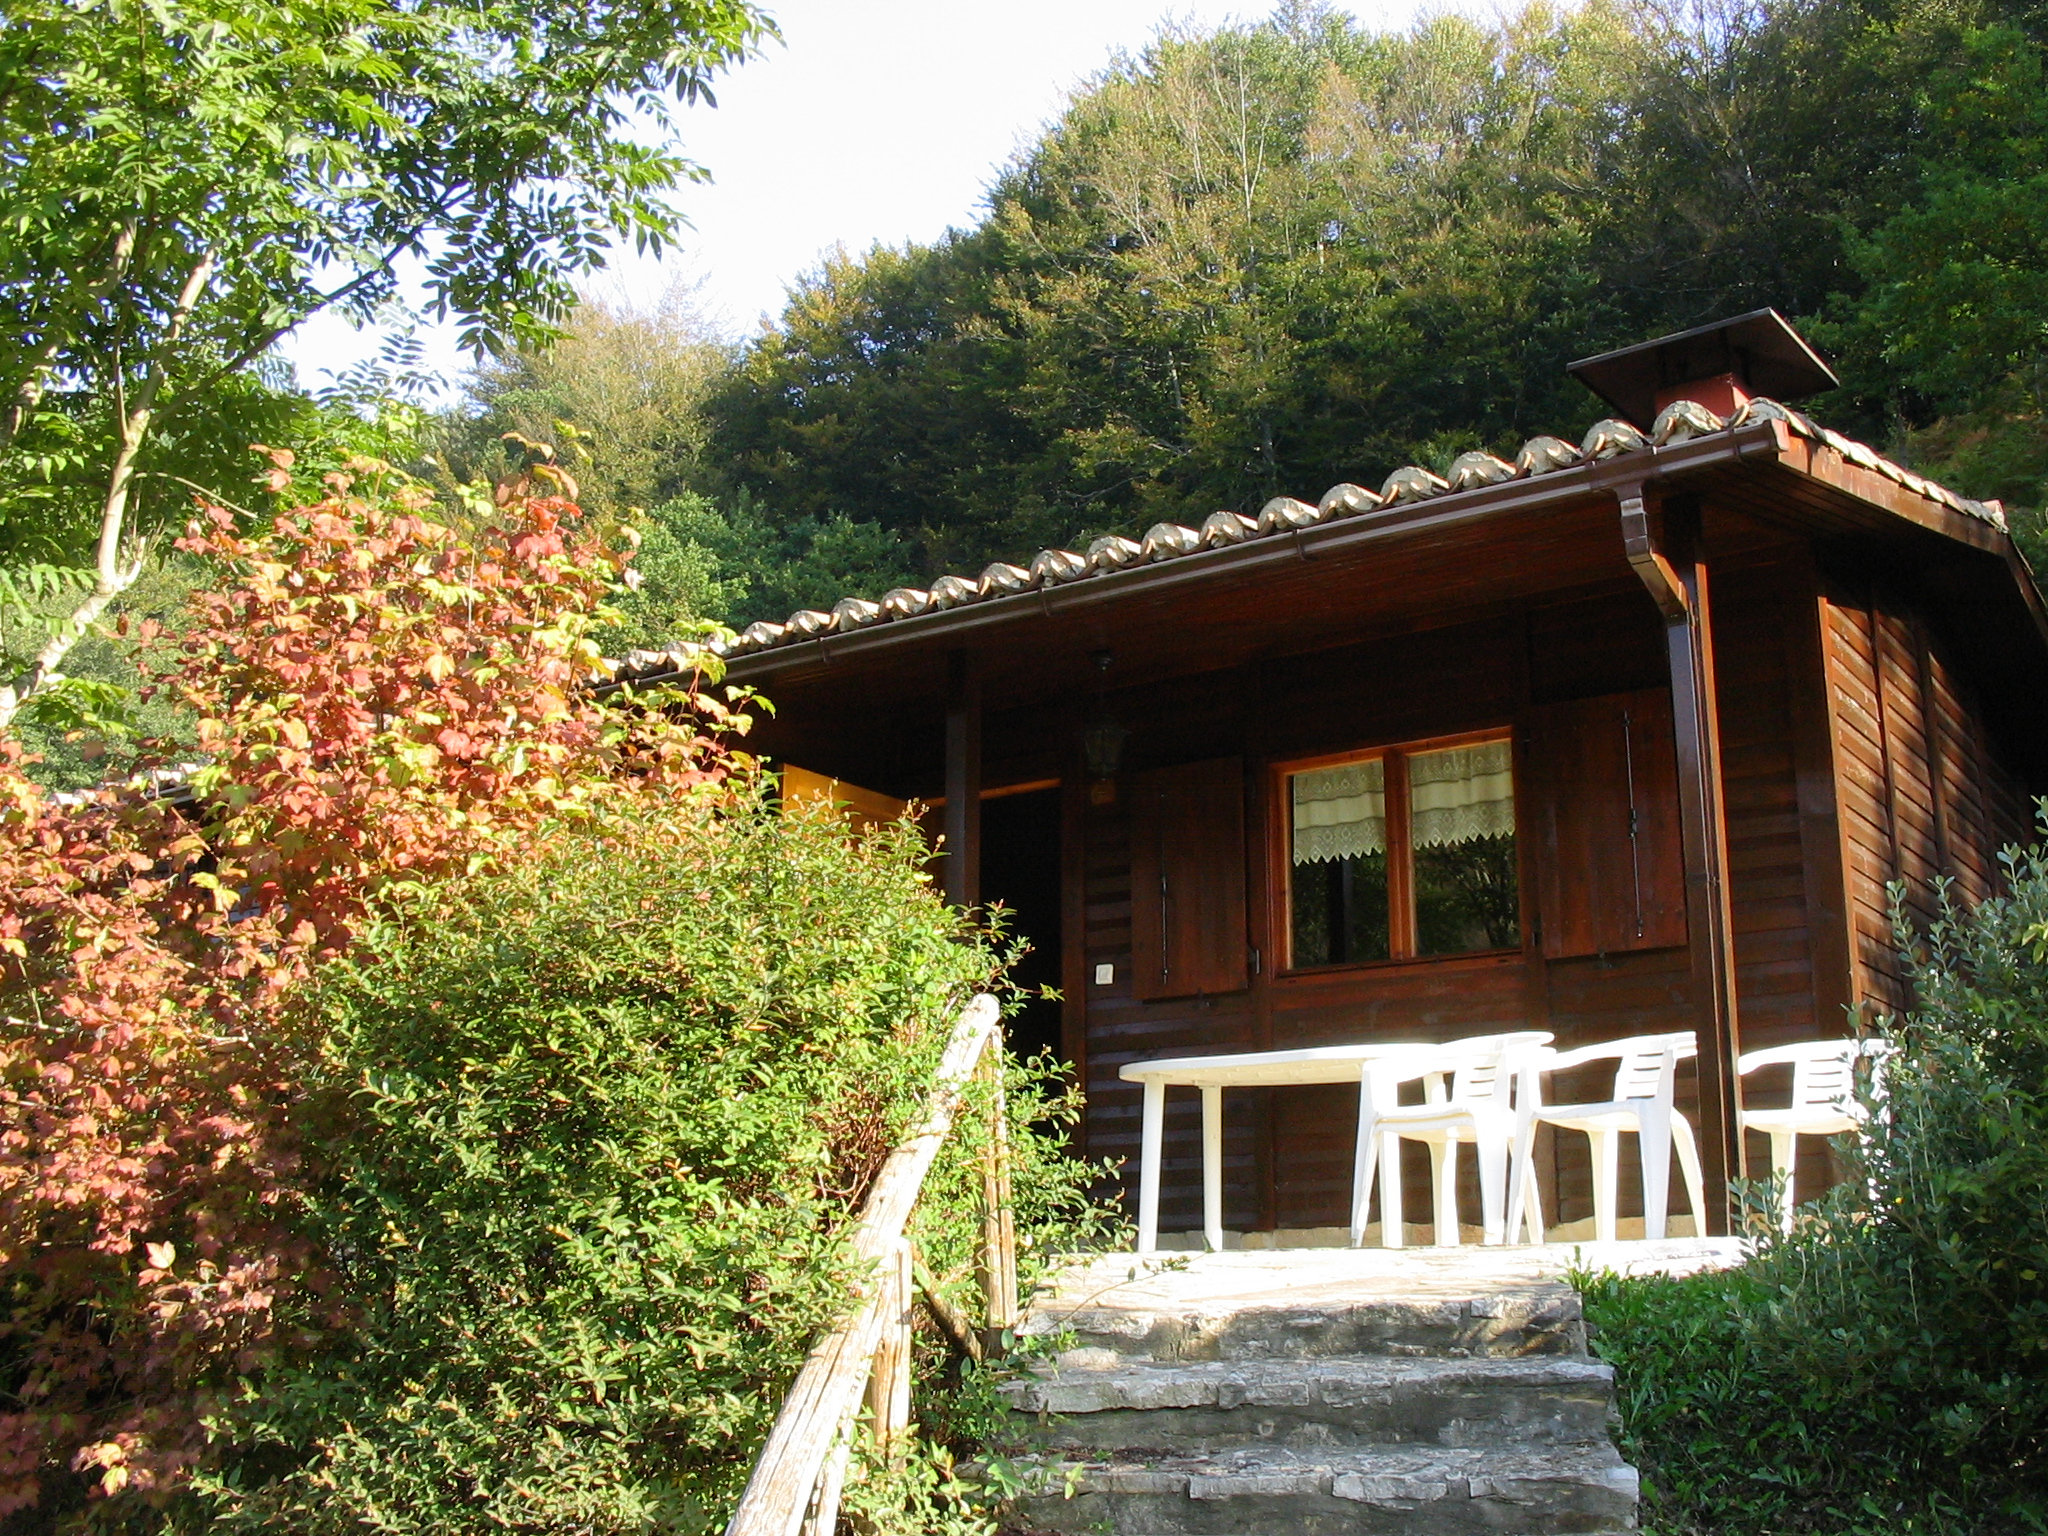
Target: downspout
[1676,579]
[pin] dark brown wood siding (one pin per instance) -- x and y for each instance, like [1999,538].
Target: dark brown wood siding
[1843,718]
[1779,899]
[1770,896]
[1923,791]
[1288,1152]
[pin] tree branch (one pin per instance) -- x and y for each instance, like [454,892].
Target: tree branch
[114,575]
[135,418]
[193,485]
[29,393]
[37,674]
[263,343]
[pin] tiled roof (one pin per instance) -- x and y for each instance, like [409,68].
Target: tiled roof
[1609,439]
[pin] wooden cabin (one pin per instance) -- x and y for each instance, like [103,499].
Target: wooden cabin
[1629,735]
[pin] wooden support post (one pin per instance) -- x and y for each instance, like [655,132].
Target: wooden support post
[1074,976]
[1676,576]
[998,1225]
[953,1323]
[889,1387]
[960,870]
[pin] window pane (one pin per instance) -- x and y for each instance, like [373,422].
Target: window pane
[1340,864]
[1462,819]
[1340,910]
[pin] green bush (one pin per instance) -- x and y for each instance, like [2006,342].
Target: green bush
[1886,1366]
[592,1132]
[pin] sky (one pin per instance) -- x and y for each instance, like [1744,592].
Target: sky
[873,120]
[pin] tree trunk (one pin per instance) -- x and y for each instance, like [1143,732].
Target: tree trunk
[114,573]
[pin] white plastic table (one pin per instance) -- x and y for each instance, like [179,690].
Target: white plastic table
[1212,1074]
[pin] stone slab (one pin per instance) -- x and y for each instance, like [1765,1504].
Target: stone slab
[1437,1492]
[1209,1407]
[1459,1302]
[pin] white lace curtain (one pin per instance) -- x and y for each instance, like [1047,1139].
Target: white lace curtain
[1454,796]
[1341,812]
[1461,794]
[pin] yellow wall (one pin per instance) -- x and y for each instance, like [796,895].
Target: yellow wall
[862,808]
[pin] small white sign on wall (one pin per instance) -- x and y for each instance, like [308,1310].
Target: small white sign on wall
[1105,975]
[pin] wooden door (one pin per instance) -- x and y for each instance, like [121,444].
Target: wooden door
[1188,880]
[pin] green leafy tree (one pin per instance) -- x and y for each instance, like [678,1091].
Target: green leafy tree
[632,384]
[1955,317]
[186,180]
[893,391]
[1243,262]
[698,561]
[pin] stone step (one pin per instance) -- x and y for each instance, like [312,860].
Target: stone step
[1438,1491]
[1504,1321]
[1207,1408]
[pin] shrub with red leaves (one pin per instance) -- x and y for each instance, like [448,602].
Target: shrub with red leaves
[380,700]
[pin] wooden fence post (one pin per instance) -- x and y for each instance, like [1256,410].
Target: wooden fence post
[795,1482]
[822,1519]
[889,1387]
[998,1225]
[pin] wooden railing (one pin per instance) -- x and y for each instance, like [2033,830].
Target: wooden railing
[796,1481]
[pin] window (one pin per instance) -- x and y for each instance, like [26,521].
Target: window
[1403,853]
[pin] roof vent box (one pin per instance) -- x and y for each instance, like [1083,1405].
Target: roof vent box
[1720,366]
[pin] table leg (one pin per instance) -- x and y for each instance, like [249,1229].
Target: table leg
[1364,1164]
[1149,1139]
[1212,1168]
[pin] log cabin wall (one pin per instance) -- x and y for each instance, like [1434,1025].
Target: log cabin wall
[1784,859]
[1924,791]
[1834,785]
[1288,1152]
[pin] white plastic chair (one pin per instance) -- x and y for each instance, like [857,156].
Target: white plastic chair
[1645,1083]
[1478,1108]
[1824,1101]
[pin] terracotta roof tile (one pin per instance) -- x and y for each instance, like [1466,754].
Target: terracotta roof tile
[1347,501]
[1412,483]
[1471,470]
[1612,438]
[1284,512]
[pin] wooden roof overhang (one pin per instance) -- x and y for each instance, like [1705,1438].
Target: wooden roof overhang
[1445,560]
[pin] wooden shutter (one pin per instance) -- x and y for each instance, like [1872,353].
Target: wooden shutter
[1187,880]
[1610,871]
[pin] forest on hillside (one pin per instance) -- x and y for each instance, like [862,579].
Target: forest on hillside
[1266,258]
